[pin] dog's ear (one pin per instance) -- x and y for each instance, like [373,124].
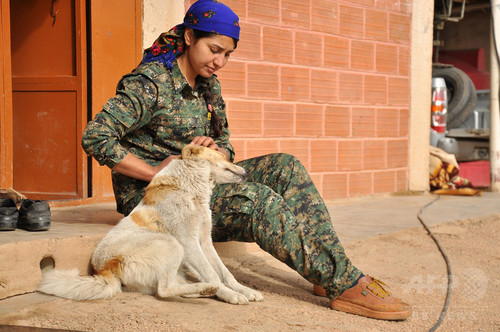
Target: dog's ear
[191,150]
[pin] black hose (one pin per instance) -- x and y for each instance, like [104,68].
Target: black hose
[448,265]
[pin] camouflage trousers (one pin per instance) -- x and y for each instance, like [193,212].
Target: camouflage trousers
[280,209]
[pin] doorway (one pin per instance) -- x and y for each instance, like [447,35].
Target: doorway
[49,98]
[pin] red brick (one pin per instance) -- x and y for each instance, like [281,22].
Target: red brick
[317,179]
[338,121]
[350,155]
[397,153]
[404,61]
[309,120]
[335,186]
[375,89]
[295,84]
[360,184]
[362,55]
[298,148]
[240,150]
[399,28]
[245,118]
[264,11]
[336,52]
[278,45]
[351,21]
[279,119]
[399,91]
[238,6]
[308,48]
[262,147]
[384,181]
[323,85]
[387,58]
[377,25]
[188,3]
[250,43]
[350,87]
[323,156]
[405,6]
[296,13]
[263,81]
[402,180]
[325,15]
[369,3]
[374,154]
[363,122]
[387,122]
[233,79]
[404,122]
[389,5]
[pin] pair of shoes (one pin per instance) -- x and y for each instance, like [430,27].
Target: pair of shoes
[369,298]
[9,214]
[33,215]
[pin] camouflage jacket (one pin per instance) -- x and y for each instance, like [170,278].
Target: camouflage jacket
[154,114]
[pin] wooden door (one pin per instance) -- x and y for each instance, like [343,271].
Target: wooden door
[48,45]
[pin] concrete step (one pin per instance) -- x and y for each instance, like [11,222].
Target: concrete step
[24,254]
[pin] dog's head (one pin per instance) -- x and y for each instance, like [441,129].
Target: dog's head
[222,171]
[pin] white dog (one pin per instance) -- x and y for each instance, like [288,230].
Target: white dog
[167,233]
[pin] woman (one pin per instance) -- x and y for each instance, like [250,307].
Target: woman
[172,99]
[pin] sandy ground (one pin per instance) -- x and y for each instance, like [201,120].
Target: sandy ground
[408,261]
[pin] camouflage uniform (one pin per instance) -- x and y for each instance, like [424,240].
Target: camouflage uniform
[155,113]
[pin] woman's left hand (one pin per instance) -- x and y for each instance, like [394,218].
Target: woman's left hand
[209,143]
[205,141]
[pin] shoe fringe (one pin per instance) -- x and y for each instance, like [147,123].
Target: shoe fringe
[379,284]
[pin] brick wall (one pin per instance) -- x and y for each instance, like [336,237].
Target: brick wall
[327,81]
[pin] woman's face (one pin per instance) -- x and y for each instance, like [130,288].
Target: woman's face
[209,54]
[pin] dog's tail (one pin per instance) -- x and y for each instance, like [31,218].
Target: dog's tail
[69,284]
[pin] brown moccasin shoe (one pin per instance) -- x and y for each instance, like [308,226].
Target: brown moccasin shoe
[369,298]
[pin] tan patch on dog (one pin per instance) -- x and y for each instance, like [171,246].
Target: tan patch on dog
[112,267]
[159,188]
[147,219]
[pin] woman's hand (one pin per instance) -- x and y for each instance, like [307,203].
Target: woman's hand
[209,143]
[205,141]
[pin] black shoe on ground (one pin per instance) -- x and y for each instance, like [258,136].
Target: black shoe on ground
[9,214]
[34,215]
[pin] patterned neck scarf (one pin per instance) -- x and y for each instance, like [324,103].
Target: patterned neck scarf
[205,15]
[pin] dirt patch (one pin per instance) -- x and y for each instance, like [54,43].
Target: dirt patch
[407,261]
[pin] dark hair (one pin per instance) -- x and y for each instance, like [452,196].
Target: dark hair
[215,121]
[205,34]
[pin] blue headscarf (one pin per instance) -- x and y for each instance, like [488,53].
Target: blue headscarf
[205,15]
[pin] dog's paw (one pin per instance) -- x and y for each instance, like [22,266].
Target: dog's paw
[231,296]
[253,295]
[250,294]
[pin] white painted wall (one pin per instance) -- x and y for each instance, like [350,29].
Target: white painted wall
[420,94]
[159,16]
